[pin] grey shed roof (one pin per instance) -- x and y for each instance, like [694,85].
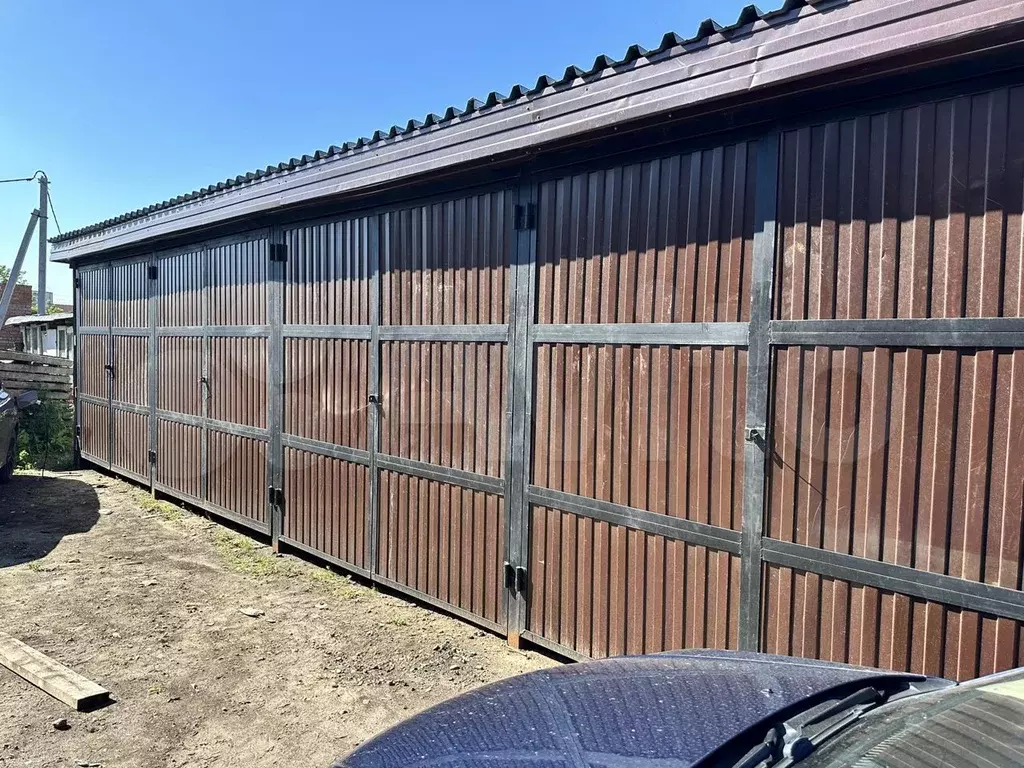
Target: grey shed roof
[759,49]
[57,318]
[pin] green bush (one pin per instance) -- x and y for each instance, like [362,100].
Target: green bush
[47,436]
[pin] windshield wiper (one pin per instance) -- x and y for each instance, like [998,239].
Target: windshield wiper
[788,743]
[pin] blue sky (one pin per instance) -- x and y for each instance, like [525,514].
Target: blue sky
[125,104]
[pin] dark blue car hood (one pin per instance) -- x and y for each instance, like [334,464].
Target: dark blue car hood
[670,709]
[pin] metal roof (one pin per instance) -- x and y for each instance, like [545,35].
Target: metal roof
[518,92]
[580,84]
[65,318]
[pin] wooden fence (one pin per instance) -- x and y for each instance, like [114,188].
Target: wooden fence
[49,376]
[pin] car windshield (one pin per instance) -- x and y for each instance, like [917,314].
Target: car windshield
[979,726]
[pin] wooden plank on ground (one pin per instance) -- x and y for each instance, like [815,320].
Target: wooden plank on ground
[51,676]
[7,354]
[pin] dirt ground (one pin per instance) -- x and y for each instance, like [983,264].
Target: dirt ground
[147,600]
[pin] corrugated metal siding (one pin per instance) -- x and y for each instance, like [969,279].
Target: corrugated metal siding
[238,283]
[656,428]
[130,383]
[605,590]
[179,365]
[180,280]
[238,380]
[325,390]
[92,357]
[448,263]
[908,213]
[810,615]
[131,443]
[94,297]
[328,277]
[896,456]
[902,455]
[905,456]
[95,438]
[444,403]
[180,449]
[238,474]
[326,505]
[665,241]
[129,295]
[444,541]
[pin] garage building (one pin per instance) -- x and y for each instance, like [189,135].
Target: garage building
[718,344]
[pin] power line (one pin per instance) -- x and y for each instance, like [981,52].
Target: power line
[53,212]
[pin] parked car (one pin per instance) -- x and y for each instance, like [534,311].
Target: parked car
[713,708]
[10,407]
[8,434]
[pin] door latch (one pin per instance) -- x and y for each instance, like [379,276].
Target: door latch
[515,578]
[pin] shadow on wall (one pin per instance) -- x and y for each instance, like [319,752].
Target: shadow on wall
[30,529]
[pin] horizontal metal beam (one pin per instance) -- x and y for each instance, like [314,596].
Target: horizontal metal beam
[248,522]
[480,333]
[326,331]
[550,645]
[936,587]
[245,331]
[343,452]
[455,610]
[210,508]
[241,430]
[471,480]
[94,400]
[118,405]
[701,534]
[699,334]
[909,332]
[93,330]
[312,551]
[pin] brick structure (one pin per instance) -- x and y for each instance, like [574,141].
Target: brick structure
[21,304]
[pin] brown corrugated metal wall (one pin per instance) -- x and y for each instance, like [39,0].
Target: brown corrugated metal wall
[565,408]
[904,455]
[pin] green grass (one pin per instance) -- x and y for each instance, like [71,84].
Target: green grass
[333,583]
[250,558]
[166,510]
[243,555]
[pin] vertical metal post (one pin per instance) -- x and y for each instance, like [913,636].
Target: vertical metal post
[757,440]
[41,304]
[204,377]
[153,294]
[372,238]
[520,396]
[275,384]
[5,300]
[111,362]
[76,313]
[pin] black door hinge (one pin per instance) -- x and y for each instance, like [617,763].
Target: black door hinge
[515,578]
[152,457]
[278,252]
[78,282]
[151,272]
[275,497]
[510,576]
[525,217]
